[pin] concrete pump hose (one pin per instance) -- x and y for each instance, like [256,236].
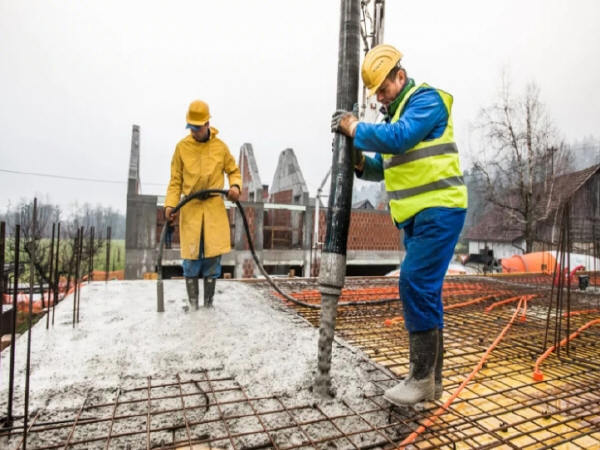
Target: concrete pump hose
[208,192]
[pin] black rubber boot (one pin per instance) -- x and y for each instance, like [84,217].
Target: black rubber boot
[209,291]
[439,365]
[191,284]
[419,385]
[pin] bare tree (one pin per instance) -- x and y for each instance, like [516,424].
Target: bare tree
[38,239]
[523,154]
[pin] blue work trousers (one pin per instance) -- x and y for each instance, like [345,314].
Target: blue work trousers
[205,267]
[429,240]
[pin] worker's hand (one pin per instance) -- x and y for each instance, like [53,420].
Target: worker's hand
[233,194]
[358,159]
[169,216]
[344,122]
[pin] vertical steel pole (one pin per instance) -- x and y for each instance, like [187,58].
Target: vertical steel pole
[91,256]
[31,283]
[56,272]
[50,271]
[76,276]
[108,238]
[2,250]
[79,260]
[333,259]
[13,343]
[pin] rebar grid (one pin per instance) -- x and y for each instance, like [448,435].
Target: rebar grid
[503,407]
[208,409]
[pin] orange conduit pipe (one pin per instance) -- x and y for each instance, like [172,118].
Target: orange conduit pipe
[581,311]
[537,374]
[510,300]
[394,320]
[471,302]
[431,419]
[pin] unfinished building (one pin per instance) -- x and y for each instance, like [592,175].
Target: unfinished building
[282,225]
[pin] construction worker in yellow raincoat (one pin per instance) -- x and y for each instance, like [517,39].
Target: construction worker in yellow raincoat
[200,162]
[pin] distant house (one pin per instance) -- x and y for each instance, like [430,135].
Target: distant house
[496,231]
[363,204]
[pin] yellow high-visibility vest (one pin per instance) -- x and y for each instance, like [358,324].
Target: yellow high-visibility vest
[427,175]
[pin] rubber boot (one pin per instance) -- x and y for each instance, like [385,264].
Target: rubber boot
[209,291]
[419,385]
[191,284]
[439,365]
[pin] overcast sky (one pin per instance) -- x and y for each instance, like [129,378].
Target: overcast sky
[76,75]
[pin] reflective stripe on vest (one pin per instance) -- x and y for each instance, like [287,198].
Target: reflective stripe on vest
[427,175]
[441,149]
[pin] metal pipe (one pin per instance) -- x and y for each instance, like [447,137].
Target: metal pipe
[108,238]
[333,258]
[160,291]
[91,257]
[11,377]
[76,276]
[56,273]
[30,313]
[51,263]
[79,261]
[2,250]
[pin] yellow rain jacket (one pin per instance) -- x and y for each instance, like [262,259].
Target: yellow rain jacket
[197,166]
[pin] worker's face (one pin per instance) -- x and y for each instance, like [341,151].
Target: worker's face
[390,88]
[201,133]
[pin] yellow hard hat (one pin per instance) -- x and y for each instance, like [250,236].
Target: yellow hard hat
[198,113]
[378,63]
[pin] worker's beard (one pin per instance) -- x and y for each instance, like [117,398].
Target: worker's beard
[206,138]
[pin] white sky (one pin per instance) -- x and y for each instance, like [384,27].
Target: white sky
[75,76]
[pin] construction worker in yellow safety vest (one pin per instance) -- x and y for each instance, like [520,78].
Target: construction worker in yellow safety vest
[415,153]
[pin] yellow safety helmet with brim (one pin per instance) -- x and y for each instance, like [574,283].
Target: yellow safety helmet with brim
[378,63]
[198,113]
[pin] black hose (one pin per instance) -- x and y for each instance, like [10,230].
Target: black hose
[204,194]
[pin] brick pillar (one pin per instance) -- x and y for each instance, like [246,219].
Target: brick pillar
[238,270]
[259,220]
[307,231]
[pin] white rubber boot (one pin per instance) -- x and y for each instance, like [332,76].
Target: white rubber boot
[419,385]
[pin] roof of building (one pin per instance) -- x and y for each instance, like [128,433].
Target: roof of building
[496,225]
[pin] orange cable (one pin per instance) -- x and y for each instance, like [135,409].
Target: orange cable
[581,311]
[470,302]
[537,374]
[430,420]
[394,320]
[510,300]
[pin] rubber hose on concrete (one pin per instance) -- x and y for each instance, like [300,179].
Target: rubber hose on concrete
[209,192]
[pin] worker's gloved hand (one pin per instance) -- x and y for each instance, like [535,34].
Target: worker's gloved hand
[358,159]
[344,122]
[233,194]
[169,216]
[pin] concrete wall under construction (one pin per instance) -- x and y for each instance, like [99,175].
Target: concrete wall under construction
[140,229]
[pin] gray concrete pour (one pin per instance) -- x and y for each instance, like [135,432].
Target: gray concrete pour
[121,341]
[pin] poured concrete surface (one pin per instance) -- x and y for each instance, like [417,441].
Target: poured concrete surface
[121,340]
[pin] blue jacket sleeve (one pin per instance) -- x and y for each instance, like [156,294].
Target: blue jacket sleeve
[424,118]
